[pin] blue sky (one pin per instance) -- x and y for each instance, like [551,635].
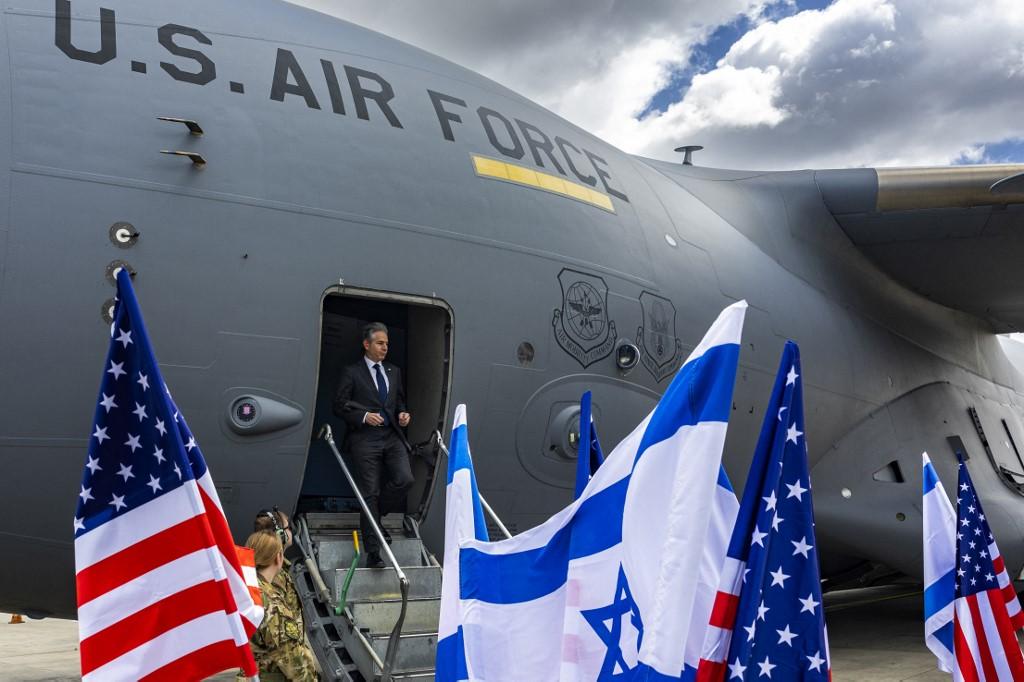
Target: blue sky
[762,84]
[706,54]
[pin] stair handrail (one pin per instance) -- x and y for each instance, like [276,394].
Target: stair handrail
[483,502]
[403,582]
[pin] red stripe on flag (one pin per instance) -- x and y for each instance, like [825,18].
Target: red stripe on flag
[1017,620]
[984,650]
[140,558]
[964,659]
[149,623]
[226,545]
[1006,634]
[710,671]
[723,613]
[201,663]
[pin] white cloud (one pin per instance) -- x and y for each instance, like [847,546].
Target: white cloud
[862,82]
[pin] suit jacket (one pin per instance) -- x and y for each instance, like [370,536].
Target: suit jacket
[357,394]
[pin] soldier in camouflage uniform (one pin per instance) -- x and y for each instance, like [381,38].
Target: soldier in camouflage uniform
[279,644]
[276,521]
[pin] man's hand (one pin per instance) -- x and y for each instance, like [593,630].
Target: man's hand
[403,418]
[373,419]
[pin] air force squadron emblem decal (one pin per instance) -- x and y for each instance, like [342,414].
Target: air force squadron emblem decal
[581,325]
[660,348]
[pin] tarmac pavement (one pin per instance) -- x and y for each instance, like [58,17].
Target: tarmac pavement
[875,634]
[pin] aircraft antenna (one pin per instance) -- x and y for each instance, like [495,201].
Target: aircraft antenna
[688,150]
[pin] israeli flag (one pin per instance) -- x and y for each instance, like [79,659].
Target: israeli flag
[464,520]
[620,584]
[939,567]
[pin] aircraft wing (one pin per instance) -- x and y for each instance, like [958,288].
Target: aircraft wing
[953,234]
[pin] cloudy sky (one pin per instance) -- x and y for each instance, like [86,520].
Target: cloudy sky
[760,83]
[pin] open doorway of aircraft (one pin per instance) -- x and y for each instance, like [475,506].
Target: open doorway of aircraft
[275,179]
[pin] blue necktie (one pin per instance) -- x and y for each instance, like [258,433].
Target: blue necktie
[382,391]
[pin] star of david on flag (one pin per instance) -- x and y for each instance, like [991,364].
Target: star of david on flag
[161,593]
[767,622]
[619,585]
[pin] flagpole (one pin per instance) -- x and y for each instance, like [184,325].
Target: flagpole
[483,502]
[403,582]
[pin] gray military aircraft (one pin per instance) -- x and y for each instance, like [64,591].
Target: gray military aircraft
[274,178]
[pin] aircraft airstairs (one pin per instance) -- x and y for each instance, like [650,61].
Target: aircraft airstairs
[350,630]
[370,624]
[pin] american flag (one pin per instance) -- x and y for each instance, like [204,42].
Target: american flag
[986,612]
[160,590]
[767,621]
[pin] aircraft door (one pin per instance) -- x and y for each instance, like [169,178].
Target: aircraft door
[419,334]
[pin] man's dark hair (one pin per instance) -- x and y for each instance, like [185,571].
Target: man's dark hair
[372,328]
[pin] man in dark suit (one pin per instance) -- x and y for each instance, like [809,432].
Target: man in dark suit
[371,400]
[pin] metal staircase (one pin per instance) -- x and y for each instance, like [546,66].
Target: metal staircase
[370,624]
[351,637]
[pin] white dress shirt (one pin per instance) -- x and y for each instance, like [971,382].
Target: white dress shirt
[370,364]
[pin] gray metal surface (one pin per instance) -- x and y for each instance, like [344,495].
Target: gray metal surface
[307,186]
[417,652]
[381,583]
[338,553]
[379,617]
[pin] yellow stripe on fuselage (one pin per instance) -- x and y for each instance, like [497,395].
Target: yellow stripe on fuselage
[487,167]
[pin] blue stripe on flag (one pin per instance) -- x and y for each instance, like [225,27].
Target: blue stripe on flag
[945,635]
[931,478]
[597,524]
[700,377]
[451,659]
[939,594]
[723,480]
[533,573]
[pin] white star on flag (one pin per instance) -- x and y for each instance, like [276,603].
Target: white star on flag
[796,490]
[125,338]
[801,547]
[792,433]
[126,472]
[758,537]
[154,483]
[108,402]
[101,434]
[791,377]
[140,412]
[143,381]
[808,604]
[117,369]
[133,442]
[785,636]
[117,502]
[93,465]
[778,578]
[766,667]
[161,428]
